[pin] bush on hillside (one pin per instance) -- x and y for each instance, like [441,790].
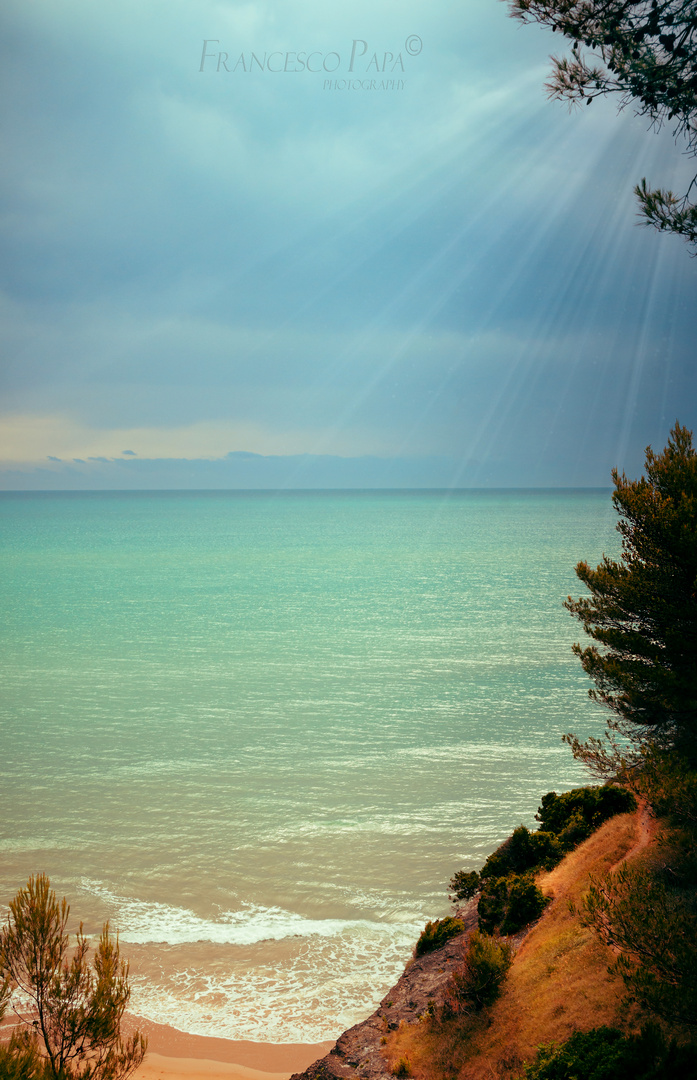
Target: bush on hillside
[435,934]
[523,851]
[573,816]
[464,884]
[507,904]
[478,982]
[565,820]
[605,1054]
[652,920]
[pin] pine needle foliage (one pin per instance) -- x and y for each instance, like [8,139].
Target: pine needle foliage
[644,51]
[642,612]
[653,925]
[20,1058]
[75,1007]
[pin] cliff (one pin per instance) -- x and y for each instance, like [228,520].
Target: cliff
[558,983]
[360,1049]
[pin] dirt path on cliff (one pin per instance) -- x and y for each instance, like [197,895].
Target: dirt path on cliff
[556,883]
[646,829]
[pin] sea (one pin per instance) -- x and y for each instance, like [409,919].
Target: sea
[258,732]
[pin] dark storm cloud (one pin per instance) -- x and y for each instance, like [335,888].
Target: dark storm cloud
[451,268]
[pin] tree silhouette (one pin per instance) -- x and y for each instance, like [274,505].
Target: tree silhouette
[646,52]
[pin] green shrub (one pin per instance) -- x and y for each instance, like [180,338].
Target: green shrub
[576,814]
[575,831]
[493,902]
[479,981]
[464,884]
[605,1054]
[545,849]
[507,904]
[402,1068]
[565,820]
[523,851]
[525,904]
[435,934]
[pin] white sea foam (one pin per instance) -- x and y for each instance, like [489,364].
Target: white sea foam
[146,922]
[328,975]
[324,986]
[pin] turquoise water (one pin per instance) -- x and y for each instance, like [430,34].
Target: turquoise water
[260,732]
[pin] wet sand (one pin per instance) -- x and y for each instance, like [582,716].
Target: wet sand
[176,1055]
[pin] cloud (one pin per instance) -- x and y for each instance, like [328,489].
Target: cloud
[200,263]
[28,439]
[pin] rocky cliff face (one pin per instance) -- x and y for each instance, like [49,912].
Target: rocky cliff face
[358,1050]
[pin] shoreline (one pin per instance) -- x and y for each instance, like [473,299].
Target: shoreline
[178,1054]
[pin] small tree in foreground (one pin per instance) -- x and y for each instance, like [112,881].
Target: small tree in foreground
[642,612]
[75,1008]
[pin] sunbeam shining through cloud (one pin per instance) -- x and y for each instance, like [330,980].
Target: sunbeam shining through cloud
[407,259]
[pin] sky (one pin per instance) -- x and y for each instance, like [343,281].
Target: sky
[309,245]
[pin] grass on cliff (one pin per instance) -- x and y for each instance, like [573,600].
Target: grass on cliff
[558,982]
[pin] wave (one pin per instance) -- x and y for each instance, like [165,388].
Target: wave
[313,989]
[329,974]
[143,922]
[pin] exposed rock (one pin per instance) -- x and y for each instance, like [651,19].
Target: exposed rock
[358,1050]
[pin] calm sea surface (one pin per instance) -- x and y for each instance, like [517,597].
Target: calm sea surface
[260,732]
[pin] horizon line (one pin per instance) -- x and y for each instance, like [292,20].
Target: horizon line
[290,490]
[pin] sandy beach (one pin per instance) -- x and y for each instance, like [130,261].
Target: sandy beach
[176,1055]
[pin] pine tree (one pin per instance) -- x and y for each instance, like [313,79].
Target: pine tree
[642,612]
[75,1008]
